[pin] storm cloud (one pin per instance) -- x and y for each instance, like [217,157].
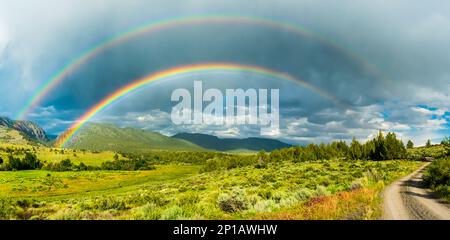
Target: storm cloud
[387,61]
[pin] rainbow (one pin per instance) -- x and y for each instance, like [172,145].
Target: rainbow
[61,74]
[175,72]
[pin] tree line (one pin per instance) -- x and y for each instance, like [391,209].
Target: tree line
[379,148]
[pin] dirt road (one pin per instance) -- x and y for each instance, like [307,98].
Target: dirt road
[409,199]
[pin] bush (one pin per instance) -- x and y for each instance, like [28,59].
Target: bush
[67,165]
[149,211]
[172,213]
[29,162]
[7,209]
[303,194]
[437,177]
[128,165]
[228,162]
[234,202]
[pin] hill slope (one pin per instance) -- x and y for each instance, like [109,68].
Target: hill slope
[228,144]
[108,137]
[28,128]
[12,136]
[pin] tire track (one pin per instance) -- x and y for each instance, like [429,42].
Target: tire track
[409,199]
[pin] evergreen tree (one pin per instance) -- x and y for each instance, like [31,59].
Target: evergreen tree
[356,150]
[14,163]
[379,150]
[395,147]
[410,144]
[428,144]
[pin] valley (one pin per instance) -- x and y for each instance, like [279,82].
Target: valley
[123,173]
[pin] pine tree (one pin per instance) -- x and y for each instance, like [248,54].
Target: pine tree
[410,144]
[428,144]
[356,150]
[380,150]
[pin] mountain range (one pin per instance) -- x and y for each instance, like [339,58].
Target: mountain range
[230,144]
[108,137]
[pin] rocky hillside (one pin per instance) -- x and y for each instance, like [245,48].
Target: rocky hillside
[11,136]
[29,129]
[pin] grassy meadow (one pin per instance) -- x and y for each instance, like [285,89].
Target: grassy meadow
[321,189]
[325,181]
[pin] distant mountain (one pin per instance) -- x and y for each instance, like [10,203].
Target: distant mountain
[231,144]
[29,129]
[108,137]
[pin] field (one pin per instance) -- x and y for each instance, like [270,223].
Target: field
[332,189]
[39,183]
[311,182]
[50,155]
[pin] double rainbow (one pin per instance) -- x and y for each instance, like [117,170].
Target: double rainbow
[181,71]
[60,75]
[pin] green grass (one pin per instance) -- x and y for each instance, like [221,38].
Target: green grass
[328,189]
[49,155]
[46,184]
[177,192]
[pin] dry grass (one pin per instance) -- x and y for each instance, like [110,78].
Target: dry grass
[361,204]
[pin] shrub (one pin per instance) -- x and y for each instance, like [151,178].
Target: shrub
[128,165]
[437,177]
[303,194]
[172,213]
[228,162]
[321,191]
[7,209]
[29,162]
[149,211]
[108,203]
[265,194]
[234,202]
[67,165]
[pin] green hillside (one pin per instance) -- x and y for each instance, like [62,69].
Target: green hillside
[11,136]
[108,137]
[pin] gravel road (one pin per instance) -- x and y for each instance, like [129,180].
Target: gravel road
[409,199]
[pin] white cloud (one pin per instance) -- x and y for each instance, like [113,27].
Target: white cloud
[4,39]
[231,132]
[41,112]
[429,112]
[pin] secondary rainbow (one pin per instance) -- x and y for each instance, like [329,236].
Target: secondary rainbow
[61,74]
[180,71]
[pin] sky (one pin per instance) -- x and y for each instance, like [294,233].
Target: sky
[387,61]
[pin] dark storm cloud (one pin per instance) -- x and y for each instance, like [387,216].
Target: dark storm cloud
[393,57]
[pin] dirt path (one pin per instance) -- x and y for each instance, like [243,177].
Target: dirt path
[409,199]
